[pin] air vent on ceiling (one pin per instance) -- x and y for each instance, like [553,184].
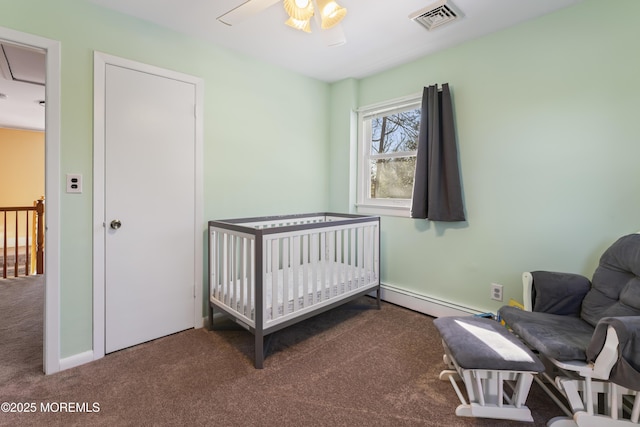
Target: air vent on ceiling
[436,15]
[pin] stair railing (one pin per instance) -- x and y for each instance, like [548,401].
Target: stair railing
[33,234]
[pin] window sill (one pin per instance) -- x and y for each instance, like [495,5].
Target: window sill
[384,210]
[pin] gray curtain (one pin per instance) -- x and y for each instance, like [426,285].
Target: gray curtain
[437,193]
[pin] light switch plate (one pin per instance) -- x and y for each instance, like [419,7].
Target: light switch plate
[74,183]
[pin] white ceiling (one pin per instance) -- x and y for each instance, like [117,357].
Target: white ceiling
[379,36]
[379,33]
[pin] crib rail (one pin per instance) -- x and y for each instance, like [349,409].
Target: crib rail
[278,223]
[312,268]
[269,270]
[232,272]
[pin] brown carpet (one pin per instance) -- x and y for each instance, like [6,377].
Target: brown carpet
[352,366]
[21,326]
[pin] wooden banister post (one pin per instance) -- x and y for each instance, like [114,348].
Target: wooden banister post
[4,245]
[16,247]
[40,237]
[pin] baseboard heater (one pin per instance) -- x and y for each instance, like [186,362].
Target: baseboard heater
[424,304]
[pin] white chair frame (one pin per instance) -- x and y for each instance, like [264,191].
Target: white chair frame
[488,396]
[581,383]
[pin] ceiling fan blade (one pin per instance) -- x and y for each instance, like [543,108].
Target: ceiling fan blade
[245,10]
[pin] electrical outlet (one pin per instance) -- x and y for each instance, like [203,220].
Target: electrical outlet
[496,292]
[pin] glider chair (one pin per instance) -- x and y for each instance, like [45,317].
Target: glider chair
[587,333]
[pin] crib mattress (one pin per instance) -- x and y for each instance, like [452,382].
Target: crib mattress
[325,283]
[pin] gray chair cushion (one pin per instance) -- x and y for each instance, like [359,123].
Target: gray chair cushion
[615,287]
[477,343]
[556,336]
[558,293]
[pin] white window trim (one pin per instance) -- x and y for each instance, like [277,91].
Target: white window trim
[366,205]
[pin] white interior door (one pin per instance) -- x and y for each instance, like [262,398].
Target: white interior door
[150,202]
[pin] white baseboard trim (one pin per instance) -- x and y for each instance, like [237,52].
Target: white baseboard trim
[76,360]
[422,303]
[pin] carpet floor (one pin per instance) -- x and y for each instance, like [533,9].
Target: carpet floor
[352,366]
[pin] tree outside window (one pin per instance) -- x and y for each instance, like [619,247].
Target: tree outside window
[394,141]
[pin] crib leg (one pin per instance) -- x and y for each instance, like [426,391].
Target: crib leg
[259,343]
[225,323]
[210,317]
[378,297]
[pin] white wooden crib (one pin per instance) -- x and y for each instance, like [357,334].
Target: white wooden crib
[268,273]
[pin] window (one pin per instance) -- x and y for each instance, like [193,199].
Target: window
[388,140]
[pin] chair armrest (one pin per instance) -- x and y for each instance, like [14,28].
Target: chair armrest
[608,355]
[614,350]
[554,293]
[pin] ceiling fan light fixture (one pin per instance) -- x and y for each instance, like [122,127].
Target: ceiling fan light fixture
[299,10]
[331,13]
[300,24]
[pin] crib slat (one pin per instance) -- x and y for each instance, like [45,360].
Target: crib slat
[352,259]
[345,260]
[376,252]
[356,255]
[329,263]
[242,280]
[213,268]
[323,268]
[274,278]
[360,256]
[314,266]
[213,255]
[285,276]
[252,279]
[232,272]
[305,269]
[367,255]
[296,270]
[220,265]
[337,279]
[225,266]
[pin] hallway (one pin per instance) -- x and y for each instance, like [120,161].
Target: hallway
[21,326]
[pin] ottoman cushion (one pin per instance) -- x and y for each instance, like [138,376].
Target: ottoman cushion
[479,343]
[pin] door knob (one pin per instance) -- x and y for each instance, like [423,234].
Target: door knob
[115,224]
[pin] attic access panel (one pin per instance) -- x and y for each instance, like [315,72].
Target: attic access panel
[22,64]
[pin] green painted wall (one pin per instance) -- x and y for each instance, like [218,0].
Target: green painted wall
[265,151]
[548,138]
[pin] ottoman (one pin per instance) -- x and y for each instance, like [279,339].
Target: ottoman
[496,368]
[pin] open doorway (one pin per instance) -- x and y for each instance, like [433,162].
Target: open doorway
[22,190]
[26,57]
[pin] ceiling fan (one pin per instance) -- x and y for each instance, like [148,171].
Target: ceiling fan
[328,16]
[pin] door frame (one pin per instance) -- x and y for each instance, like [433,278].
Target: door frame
[51,332]
[101,60]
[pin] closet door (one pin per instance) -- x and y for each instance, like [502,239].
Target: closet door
[149,206]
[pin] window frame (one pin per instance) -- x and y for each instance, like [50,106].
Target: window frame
[365,204]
